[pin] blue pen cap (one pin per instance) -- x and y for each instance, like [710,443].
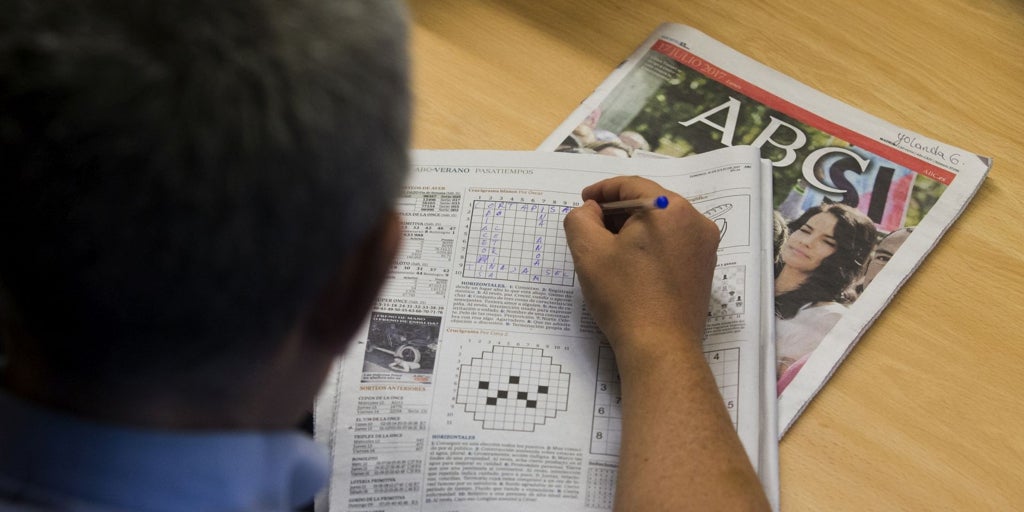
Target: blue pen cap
[661,202]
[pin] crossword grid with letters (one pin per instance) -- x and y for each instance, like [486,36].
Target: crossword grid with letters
[518,241]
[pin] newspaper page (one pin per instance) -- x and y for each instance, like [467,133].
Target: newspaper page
[683,93]
[480,380]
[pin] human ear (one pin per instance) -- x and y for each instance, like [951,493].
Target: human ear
[349,295]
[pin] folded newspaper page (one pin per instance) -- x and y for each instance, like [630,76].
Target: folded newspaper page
[859,202]
[479,378]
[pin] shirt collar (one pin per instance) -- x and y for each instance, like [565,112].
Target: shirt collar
[58,459]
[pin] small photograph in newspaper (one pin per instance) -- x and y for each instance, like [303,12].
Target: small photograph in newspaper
[401,347]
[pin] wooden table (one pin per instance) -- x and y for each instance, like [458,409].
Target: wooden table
[926,413]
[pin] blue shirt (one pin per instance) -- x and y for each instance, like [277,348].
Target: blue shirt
[53,460]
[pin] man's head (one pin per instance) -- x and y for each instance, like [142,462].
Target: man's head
[180,180]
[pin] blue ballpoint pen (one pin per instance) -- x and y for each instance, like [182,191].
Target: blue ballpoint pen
[630,206]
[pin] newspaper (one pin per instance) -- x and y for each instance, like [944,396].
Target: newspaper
[683,93]
[480,380]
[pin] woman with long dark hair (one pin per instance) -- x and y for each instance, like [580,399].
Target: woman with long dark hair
[824,254]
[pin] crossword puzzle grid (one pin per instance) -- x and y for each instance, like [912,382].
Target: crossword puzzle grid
[606,435]
[727,296]
[518,242]
[513,388]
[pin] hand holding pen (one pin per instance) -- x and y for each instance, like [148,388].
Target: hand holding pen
[647,287]
[617,213]
[654,270]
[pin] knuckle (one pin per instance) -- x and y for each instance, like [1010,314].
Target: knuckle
[709,231]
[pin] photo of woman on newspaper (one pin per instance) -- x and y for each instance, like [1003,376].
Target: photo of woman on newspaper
[822,257]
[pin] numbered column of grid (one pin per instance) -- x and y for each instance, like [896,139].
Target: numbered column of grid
[725,367]
[564,258]
[480,236]
[542,245]
[607,430]
[501,239]
[545,234]
[525,241]
[494,238]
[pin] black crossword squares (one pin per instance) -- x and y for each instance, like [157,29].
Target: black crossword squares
[513,388]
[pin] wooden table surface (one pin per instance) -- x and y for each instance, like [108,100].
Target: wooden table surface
[926,413]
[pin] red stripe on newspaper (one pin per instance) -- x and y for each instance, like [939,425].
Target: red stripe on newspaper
[757,94]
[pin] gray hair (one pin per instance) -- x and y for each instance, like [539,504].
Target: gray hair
[189,174]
